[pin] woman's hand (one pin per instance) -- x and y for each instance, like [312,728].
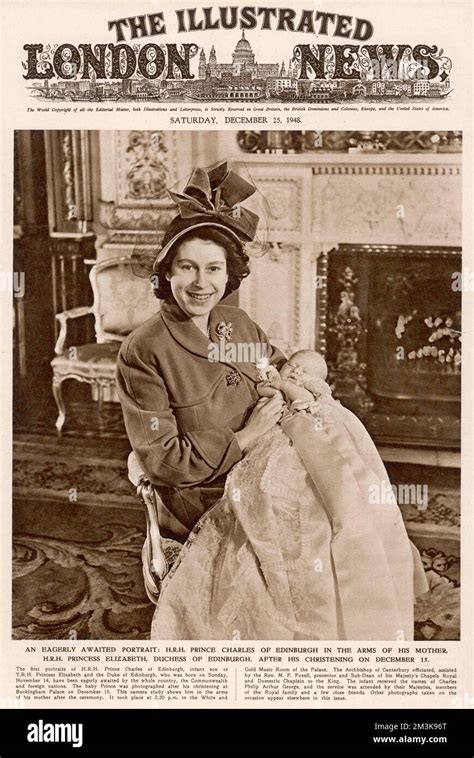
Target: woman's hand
[266,389]
[264,416]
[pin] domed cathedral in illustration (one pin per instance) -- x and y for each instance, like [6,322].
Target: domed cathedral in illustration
[243,55]
[243,62]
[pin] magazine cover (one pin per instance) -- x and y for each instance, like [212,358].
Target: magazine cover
[236,386]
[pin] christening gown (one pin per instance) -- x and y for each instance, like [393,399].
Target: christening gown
[297,549]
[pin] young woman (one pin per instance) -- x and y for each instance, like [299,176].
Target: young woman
[189,418]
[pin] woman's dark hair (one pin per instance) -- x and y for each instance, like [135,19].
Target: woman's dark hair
[236,260]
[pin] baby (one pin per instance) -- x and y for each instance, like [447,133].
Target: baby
[300,381]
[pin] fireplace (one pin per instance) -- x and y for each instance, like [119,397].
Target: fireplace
[389,322]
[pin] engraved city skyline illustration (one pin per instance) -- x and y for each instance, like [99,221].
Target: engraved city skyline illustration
[309,74]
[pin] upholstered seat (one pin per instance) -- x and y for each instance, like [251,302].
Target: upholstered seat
[93,360]
[122,302]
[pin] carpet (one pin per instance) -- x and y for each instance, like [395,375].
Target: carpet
[78,530]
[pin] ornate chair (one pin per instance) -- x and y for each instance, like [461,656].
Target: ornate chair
[122,302]
[158,553]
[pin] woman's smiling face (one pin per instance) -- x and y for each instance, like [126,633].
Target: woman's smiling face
[198,276]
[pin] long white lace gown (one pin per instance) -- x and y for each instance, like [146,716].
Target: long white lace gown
[295,549]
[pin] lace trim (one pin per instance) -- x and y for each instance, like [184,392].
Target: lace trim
[303,560]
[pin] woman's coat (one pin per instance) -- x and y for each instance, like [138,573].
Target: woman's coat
[182,407]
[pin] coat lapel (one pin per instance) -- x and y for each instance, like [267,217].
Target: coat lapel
[187,334]
[183,330]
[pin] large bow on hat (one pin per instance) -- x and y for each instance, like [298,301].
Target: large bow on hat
[212,196]
[217,192]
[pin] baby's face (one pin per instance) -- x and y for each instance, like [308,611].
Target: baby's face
[297,370]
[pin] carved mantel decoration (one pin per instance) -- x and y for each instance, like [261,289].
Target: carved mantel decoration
[399,204]
[277,249]
[143,171]
[68,163]
[296,142]
[139,166]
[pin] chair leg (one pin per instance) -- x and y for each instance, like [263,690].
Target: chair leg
[100,397]
[58,396]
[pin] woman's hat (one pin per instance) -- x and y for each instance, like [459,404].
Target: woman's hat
[211,197]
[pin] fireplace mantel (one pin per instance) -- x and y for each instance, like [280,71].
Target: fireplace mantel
[319,201]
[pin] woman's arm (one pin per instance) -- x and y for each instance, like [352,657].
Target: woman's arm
[168,457]
[266,413]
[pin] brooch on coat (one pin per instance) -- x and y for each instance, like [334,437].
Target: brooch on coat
[224,331]
[232,378]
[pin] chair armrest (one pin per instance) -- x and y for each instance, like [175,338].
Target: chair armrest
[154,561]
[134,470]
[63,319]
[157,562]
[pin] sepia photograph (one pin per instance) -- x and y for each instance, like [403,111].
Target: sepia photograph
[237,385]
[237,373]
